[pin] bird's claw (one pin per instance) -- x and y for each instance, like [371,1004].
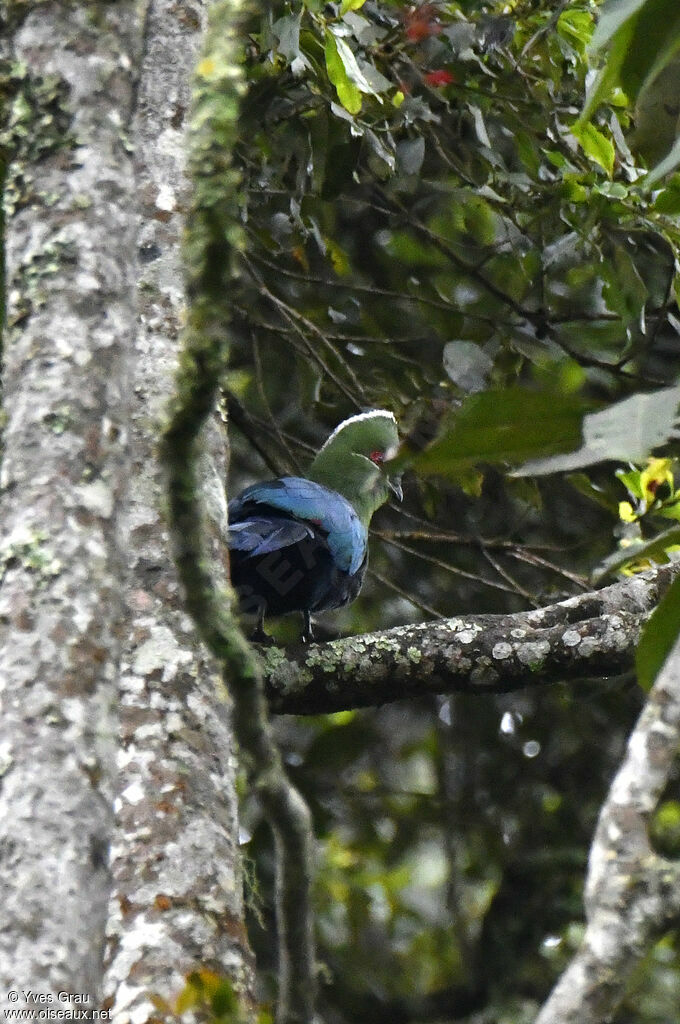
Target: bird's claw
[258,636]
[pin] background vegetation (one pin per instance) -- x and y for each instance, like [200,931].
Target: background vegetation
[439,223]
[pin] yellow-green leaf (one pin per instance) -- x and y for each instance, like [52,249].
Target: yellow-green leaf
[626,512]
[351,5]
[338,257]
[348,93]
[596,145]
[636,555]
[658,637]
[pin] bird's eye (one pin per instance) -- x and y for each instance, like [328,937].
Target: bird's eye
[378,457]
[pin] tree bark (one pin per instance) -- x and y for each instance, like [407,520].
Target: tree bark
[632,893]
[70,228]
[588,636]
[178,894]
[90,611]
[211,242]
[92,627]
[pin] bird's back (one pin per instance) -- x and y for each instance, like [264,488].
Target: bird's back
[295,545]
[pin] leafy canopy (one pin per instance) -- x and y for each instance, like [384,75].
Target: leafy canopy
[467,213]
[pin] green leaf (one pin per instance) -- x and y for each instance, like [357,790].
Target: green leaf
[608,77]
[669,511]
[287,31]
[348,93]
[467,365]
[642,37]
[624,290]
[381,159]
[223,999]
[411,251]
[501,426]
[631,481]
[658,637]
[664,167]
[367,79]
[656,113]
[668,200]
[351,5]
[585,486]
[576,26]
[596,145]
[627,431]
[410,155]
[655,42]
[664,829]
[654,549]
[613,16]
[612,190]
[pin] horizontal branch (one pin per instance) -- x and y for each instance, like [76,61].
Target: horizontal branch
[590,635]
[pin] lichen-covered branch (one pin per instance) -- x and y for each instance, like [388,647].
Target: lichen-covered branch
[70,228]
[593,634]
[632,893]
[211,239]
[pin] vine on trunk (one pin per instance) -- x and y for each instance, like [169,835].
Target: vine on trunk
[213,238]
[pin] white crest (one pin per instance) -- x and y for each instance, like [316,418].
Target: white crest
[373,414]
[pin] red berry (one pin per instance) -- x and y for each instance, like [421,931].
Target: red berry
[438,78]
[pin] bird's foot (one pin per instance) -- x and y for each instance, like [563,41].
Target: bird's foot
[258,636]
[307,632]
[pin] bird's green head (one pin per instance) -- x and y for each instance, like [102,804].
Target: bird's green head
[355,461]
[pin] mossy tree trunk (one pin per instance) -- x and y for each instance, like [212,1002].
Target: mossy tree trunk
[177,805]
[70,228]
[107,700]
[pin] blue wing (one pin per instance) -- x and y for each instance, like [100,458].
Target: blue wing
[305,505]
[258,535]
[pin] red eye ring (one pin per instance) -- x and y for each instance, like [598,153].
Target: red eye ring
[378,457]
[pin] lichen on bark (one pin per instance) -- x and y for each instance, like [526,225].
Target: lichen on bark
[69,228]
[176,813]
[212,238]
[592,634]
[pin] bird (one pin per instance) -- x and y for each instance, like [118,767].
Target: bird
[300,544]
